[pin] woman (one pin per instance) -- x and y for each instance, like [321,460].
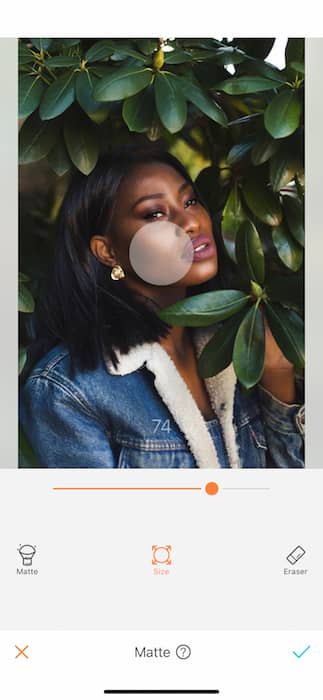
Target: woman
[118,387]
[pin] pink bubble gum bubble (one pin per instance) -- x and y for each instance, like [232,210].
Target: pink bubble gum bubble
[161,253]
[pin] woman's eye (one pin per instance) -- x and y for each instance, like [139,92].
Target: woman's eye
[191,202]
[157,214]
[154,215]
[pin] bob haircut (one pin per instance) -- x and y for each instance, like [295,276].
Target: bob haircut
[83,307]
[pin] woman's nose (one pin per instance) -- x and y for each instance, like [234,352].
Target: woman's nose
[188,222]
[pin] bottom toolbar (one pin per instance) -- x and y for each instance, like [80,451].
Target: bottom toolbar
[90,665]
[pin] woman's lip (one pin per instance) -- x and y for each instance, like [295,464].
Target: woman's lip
[199,248]
[203,248]
[200,240]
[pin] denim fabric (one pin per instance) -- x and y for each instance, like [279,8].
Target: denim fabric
[98,420]
[214,428]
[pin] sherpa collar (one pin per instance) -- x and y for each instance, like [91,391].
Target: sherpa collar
[178,398]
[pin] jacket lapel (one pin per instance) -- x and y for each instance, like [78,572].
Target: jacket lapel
[221,390]
[180,402]
[177,396]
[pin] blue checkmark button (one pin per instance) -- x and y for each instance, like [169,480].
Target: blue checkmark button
[299,656]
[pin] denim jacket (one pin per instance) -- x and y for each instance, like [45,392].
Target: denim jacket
[142,415]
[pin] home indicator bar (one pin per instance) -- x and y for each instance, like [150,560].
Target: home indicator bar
[162,692]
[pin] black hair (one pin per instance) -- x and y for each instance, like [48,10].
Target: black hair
[83,307]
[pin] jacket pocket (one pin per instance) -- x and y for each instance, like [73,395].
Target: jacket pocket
[142,458]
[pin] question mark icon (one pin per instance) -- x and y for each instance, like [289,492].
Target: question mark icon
[183,651]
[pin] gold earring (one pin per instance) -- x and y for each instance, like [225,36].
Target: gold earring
[117,273]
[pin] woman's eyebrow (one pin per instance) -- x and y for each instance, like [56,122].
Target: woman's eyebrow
[157,195]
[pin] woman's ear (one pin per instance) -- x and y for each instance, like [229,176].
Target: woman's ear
[103,250]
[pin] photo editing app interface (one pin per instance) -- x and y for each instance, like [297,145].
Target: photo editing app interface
[161,534]
[151,581]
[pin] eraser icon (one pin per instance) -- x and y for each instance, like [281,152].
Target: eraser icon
[295,555]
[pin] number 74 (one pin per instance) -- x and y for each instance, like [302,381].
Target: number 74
[161,425]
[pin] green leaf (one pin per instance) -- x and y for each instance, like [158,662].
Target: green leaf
[147,46]
[239,151]
[125,51]
[205,104]
[211,188]
[23,278]
[257,66]
[249,348]
[31,88]
[64,43]
[208,73]
[233,216]
[207,44]
[41,44]
[102,71]
[122,83]
[262,151]
[27,456]
[170,102]
[22,359]
[283,167]
[294,212]
[229,55]
[61,46]
[100,51]
[36,138]
[58,97]
[294,50]
[288,330]
[201,55]
[84,86]
[205,309]
[81,142]
[290,252]
[262,201]
[287,289]
[298,66]
[249,252]
[63,62]
[246,85]
[123,48]
[217,353]
[177,56]
[117,57]
[138,111]
[25,55]
[246,119]
[282,115]
[58,159]
[26,302]
[100,115]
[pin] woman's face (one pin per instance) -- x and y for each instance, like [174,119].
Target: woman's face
[156,192]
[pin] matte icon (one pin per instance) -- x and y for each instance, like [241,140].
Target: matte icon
[27,552]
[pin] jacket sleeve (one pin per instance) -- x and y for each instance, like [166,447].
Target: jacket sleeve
[284,427]
[62,428]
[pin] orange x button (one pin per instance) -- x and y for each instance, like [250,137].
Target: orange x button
[21,652]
